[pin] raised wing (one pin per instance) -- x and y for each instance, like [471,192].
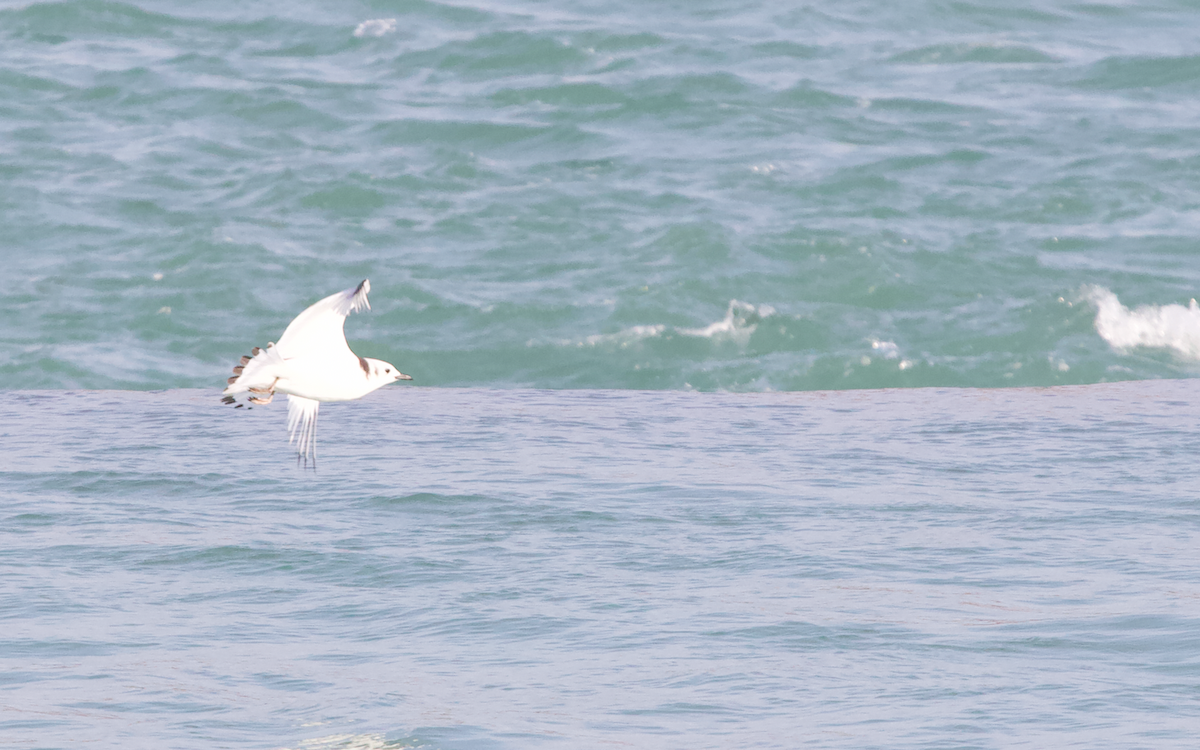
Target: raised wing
[319,329]
[302,428]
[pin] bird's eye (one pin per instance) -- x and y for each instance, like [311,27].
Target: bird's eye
[388,369]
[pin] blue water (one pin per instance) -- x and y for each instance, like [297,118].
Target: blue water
[472,568]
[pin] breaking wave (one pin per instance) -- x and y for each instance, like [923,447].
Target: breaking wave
[740,321]
[375,27]
[1173,327]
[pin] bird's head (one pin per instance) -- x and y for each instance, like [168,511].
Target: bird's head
[384,372]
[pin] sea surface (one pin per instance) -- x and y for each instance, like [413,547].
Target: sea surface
[477,569]
[785,374]
[738,196]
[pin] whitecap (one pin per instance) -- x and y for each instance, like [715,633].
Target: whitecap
[740,321]
[375,27]
[624,337]
[886,349]
[346,742]
[1156,326]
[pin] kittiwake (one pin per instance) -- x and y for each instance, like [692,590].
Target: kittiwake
[311,363]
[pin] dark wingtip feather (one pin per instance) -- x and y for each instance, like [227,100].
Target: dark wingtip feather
[228,400]
[232,380]
[244,361]
[254,352]
[237,371]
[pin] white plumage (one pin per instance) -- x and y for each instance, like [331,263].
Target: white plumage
[311,363]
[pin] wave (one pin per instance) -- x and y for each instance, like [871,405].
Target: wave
[375,27]
[740,321]
[1173,326]
[346,742]
[625,336]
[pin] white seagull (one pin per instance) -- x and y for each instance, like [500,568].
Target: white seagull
[311,363]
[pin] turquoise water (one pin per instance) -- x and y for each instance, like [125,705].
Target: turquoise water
[711,309]
[717,196]
[910,568]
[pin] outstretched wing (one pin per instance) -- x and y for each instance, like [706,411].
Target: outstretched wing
[302,428]
[319,329]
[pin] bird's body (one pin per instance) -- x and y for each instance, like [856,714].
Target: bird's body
[310,364]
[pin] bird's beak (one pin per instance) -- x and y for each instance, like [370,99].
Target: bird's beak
[402,376]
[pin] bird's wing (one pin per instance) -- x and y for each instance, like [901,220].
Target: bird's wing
[302,428]
[318,330]
[254,377]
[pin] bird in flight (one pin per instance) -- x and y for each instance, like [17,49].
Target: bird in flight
[311,363]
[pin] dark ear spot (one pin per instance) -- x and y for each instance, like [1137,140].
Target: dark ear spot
[365,367]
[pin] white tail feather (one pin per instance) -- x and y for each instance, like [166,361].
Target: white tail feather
[302,428]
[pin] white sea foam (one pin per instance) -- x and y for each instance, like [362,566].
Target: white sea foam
[1157,326]
[889,350]
[375,27]
[624,337]
[886,349]
[740,321]
[346,742]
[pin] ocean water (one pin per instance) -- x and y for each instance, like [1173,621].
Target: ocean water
[786,375]
[475,568]
[741,196]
